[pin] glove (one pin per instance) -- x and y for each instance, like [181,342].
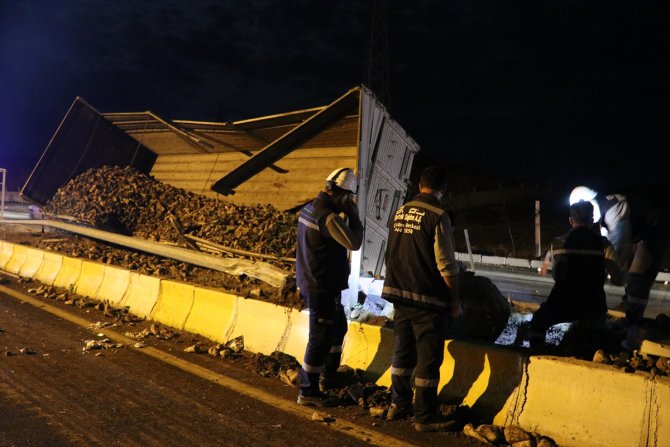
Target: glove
[349,207]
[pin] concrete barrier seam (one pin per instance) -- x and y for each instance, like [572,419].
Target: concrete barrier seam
[236,314]
[281,344]
[521,394]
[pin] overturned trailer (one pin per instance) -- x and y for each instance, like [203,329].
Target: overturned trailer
[280,160]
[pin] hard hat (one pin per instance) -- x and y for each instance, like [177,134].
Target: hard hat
[343,178]
[589,195]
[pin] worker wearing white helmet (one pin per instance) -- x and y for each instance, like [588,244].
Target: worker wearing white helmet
[322,271]
[638,225]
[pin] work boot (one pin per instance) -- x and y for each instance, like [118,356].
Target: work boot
[438,423]
[328,382]
[396,412]
[317,400]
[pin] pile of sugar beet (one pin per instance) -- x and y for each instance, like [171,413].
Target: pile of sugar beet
[126,201]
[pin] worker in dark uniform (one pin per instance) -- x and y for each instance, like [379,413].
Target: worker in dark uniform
[580,260]
[422,283]
[322,272]
[638,225]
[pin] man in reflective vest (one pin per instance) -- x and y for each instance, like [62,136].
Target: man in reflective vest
[580,261]
[422,283]
[638,225]
[322,272]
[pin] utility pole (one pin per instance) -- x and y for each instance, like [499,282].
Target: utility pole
[538,238]
[377,66]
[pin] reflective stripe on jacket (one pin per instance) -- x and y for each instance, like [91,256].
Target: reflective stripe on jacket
[321,263]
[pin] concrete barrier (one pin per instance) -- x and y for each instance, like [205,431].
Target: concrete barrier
[494,260]
[69,273]
[90,278]
[142,294]
[18,258]
[51,266]
[174,303]
[6,250]
[32,263]
[267,336]
[212,313]
[113,286]
[660,410]
[369,348]
[584,404]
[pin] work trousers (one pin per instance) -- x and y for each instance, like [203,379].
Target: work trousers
[641,275]
[327,328]
[419,349]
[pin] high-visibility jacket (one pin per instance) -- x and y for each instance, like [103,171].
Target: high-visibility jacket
[321,263]
[413,274]
[579,270]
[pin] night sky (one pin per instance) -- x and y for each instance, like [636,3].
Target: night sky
[560,91]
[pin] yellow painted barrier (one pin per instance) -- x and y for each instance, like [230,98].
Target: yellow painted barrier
[264,337]
[114,285]
[369,348]
[174,303]
[18,258]
[484,377]
[660,426]
[584,404]
[32,263]
[295,333]
[69,273]
[6,250]
[212,313]
[90,278]
[142,294]
[51,265]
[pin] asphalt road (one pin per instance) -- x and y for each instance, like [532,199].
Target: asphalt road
[53,393]
[527,286]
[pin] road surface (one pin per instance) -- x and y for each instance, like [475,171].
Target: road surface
[53,393]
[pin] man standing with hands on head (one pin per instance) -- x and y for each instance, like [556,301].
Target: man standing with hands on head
[322,272]
[422,283]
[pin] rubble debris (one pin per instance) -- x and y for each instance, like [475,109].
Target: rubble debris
[196,349]
[162,332]
[470,430]
[276,364]
[378,412]
[215,350]
[601,357]
[486,311]
[290,376]
[514,433]
[127,201]
[236,344]
[492,433]
[105,343]
[321,417]
[511,435]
